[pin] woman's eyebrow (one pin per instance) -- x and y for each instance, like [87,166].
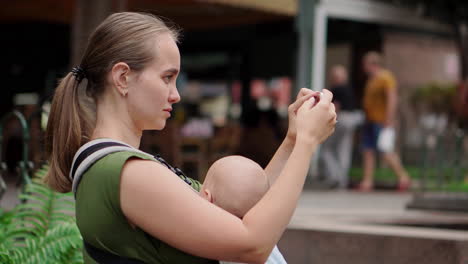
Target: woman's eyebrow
[172,70]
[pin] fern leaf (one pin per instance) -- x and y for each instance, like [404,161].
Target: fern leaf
[41,230]
[73,256]
[51,247]
[5,258]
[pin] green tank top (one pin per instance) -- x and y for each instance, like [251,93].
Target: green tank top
[103,224]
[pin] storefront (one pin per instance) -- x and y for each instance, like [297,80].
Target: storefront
[241,61]
[238,67]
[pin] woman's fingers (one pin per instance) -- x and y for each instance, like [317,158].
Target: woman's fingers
[326,97]
[333,112]
[304,92]
[309,103]
[317,119]
[296,105]
[332,107]
[303,95]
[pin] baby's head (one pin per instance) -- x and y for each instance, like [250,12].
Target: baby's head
[235,184]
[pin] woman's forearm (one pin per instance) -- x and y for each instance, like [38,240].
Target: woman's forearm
[268,219]
[279,159]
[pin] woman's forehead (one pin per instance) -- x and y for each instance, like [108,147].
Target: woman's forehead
[166,53]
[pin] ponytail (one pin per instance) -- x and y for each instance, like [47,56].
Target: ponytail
[68,128]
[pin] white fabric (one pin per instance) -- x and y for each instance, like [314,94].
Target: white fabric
[275,258]
[386,140]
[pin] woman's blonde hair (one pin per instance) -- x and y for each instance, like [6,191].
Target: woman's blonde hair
[122,37]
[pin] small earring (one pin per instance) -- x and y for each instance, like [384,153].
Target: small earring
[124,93]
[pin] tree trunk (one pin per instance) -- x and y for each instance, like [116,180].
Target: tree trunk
[461,98]
[462,35]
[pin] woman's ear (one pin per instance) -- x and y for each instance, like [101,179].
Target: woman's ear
[119,77]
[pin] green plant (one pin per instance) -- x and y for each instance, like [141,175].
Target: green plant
[436,179]
[42,229]
[434,97]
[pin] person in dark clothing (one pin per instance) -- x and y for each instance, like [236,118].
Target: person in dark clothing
[336,151]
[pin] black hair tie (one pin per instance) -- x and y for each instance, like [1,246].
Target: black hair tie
[79,73]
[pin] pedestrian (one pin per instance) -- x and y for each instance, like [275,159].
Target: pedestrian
[336,151]
[380,106]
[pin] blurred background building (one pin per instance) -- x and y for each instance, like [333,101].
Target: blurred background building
[242,63]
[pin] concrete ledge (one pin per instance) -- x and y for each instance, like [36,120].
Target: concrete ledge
[372,228]
[301,246]
[457,202]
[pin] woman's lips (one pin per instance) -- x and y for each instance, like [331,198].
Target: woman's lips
[168,110]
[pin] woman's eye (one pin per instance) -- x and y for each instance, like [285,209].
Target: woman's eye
[167,78]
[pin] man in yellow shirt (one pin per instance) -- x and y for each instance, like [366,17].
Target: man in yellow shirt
[380,102]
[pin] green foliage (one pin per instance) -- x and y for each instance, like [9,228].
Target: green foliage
[458,187]
[42,229]
[435,97]
[384,174]
[450,184]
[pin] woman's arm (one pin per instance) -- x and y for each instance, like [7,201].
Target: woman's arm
[276,164]
[165,207]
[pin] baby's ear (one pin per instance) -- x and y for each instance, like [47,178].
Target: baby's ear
[207,195]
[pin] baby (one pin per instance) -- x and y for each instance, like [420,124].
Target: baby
[236,184]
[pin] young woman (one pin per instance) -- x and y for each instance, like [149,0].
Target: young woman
[129,205]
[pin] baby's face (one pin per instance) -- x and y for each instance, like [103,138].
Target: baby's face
[235,184]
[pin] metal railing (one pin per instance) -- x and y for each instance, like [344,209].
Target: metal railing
[443,162]
[24,165]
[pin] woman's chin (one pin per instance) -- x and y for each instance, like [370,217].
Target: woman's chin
[158,124]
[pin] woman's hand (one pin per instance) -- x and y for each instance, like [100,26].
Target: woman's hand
[303,95]
[316,123]
[276,164]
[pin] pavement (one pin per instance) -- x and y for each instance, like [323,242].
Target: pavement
[375,212]
[10,197]
[334,227]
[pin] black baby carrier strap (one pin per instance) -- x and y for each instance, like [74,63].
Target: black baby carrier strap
[85,157]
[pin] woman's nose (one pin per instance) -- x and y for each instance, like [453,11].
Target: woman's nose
[174,97]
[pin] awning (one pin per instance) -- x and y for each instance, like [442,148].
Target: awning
[186,13]
[281,7]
